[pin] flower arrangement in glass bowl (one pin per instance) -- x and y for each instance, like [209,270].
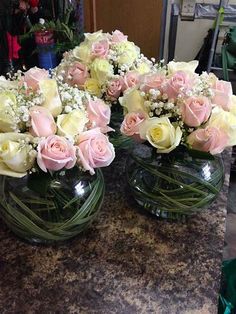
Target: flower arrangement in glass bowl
[186,120]
[51,150]
[105,65]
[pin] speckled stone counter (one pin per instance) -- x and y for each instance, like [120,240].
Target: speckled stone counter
[127,262]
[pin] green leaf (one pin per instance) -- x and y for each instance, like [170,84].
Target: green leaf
[201,155]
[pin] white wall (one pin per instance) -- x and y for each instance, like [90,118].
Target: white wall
[190,34]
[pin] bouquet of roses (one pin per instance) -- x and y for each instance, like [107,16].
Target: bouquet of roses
[104,64]
[50,125]
[183,119]
[174,106]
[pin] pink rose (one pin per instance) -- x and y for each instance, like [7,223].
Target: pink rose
[114,89]
[42,122]
[223,92]
[55,153]
[210,139]
[77,74]
[152,81]
[99,114]
[196,110]
[33,76]
[100,48]
[130,79]
[118,37]
[94,150]
[179,83]
[131,123]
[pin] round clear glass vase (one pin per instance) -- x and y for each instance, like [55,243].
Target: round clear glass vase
[44,208]
[176,184]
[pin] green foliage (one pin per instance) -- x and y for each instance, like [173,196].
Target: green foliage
[65,34]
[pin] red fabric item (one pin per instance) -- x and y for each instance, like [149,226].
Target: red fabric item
[34,3]
[13,47]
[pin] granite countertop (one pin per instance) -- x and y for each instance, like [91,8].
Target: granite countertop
[127,262]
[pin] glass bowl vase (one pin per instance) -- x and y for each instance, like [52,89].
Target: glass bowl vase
[173,185]
[43,207]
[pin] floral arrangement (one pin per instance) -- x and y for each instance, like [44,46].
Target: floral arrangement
[105,65]
[49,125]
[173,106]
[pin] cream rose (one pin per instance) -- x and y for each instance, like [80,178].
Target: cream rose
[93,87]
[4,83]
[16,154]
[233,104]
[132,101]
[225,121]
[182,66]
[7,100]
[83,53]
[52,99]
[92,37]
[143,68]
[101,70]
[127,53]
[71,124]
[161,134]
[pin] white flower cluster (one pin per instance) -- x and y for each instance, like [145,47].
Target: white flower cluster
[158,105]
[72,98]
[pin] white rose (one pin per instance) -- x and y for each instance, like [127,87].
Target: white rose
[71,124]
[96,36]
[101,70]
[132,101]
[83,52]
[7,102]
[8,84]
[226,121]
[182,66]
[143,68]
[52,99]
[161,134]
[16,154]
[127,52]
[233,105]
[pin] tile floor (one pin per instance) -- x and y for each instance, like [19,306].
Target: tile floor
[230,236]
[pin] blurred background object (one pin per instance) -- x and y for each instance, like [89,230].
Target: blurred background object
[19,20]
